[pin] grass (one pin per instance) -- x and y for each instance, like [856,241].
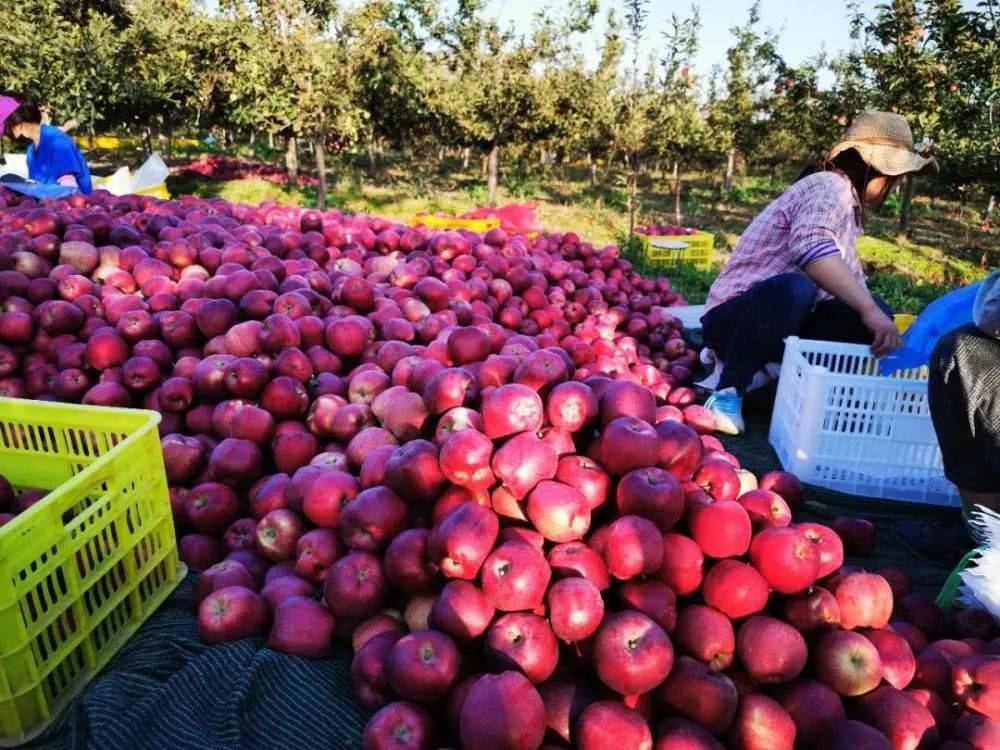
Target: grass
[946,247]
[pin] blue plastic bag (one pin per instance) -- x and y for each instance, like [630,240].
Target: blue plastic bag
[942,315]
[38,191]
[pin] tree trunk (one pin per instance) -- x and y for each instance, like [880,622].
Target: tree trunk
[147,141]
[727,185]
[270,140]
[465,157]
[592,168]
[484,166]
[906,208]
[633,191]
[991,204]
[320,150]
[678,217]
[253,138]
[292,160]
[372,159]
[493,168]
[440,154]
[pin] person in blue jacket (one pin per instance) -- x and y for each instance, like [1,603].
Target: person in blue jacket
[53,158]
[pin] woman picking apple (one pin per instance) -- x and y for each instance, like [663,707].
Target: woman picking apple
[53,157]
[795,271]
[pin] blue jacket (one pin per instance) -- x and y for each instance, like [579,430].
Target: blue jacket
[55,156]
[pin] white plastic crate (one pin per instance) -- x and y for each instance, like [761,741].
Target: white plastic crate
[839,424]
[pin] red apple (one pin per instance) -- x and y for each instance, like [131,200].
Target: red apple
[231,613]
[278,534]
[812,611]
[558,511]
[515,577]
[976,684]
[578,559]
[634,547]
[815,709]
[683,564]
[707,635]
[575,608]
[302,627]
[355,586]
[700,694]
[848,663]
[460,542]
[761,723]
[865,601]
[399,726]
[221,575]
[898,663]
[628,443]
[721,529]
[785,484]
[632,654]
[610,725]
[858,534]
[523,641]
[735,588]
[770,650]
[828,544]
[502,712]
[786,558]
[462,611]
[524,461]
[423,665]
[901,718]
[316,551]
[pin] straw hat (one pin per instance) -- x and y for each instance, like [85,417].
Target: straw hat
[884,140]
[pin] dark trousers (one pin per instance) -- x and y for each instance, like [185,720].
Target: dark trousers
[750,330]
[964,396]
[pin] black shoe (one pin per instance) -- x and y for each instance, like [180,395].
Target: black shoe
[943,540]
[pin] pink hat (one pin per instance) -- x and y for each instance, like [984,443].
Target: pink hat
[7,107]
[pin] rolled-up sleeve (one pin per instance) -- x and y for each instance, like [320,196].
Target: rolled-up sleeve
[819,223]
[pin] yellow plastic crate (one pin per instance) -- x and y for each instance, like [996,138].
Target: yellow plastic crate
[698,252]
[83,568]
[454,222]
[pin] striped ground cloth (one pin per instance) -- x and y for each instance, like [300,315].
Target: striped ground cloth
[168,691]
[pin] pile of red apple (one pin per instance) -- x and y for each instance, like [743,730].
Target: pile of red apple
[670,230]
[475,457]
[217,167]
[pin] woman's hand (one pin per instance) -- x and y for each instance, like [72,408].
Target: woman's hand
[886,336]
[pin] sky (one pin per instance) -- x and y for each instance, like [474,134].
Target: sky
[804,26]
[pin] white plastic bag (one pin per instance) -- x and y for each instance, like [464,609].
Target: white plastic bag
[125,182]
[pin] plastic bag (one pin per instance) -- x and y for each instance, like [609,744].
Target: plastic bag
[939,317]
[15,164]
[124,182]
[40,192]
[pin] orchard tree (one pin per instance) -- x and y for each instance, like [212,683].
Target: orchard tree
[294,79]
[634,122]
[492,90]
[739,115]
[680,134]
[967,43]
[585,110]
[65,56]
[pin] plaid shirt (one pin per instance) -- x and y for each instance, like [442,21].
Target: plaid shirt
[817,216]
